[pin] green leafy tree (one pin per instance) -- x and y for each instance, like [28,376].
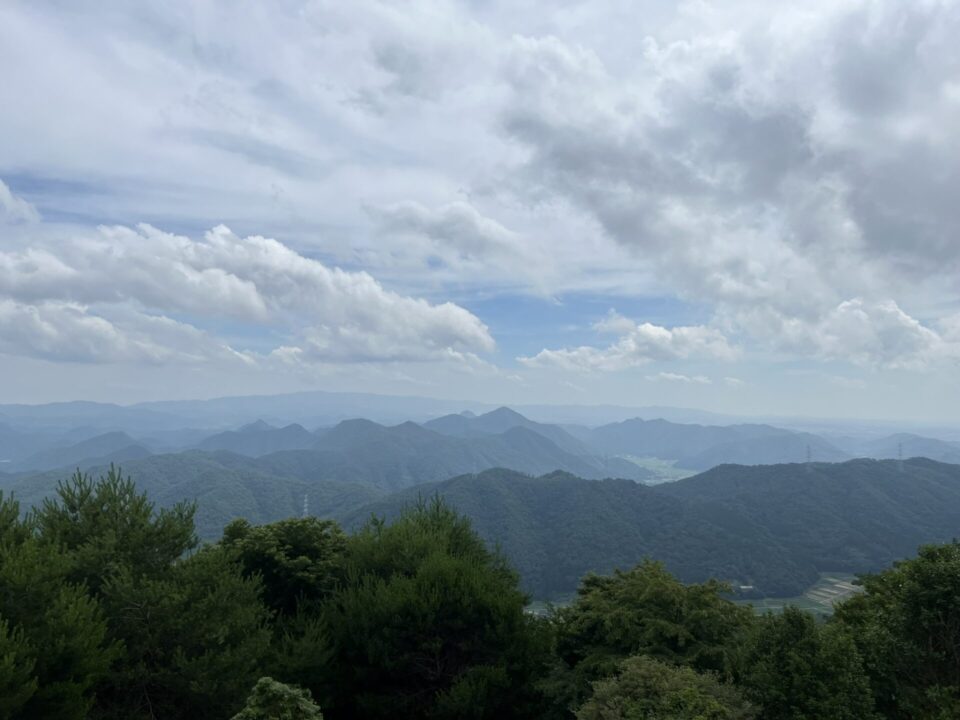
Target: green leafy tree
[302,651]
[195,638]
[17,660]
[296,559]
[56,627]
[648,689]
[272,700]
[429,624]
[13,530]
[192,630]
[796,669]
[907,626]
[643,611]
[106,526]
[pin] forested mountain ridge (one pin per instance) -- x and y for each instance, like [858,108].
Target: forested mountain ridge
[772,527]
[557,527]
[854,516]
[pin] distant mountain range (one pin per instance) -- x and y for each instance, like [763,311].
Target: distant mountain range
[457,442]
[112,446]
[259,438]
[310,409]
[501,420]
[905,445]
[699,447]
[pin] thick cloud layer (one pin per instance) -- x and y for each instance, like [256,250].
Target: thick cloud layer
[794,171]
[750,184]
[110,297]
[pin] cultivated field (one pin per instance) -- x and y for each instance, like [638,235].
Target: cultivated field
[820,598]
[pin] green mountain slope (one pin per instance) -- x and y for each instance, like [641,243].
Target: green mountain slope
[854,516]
[224,486]
[772,527]
[557,527]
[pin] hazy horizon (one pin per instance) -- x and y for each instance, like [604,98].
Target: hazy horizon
[587,414]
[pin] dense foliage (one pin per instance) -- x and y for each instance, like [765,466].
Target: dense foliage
[796,669]
[643,611]
[272,700]
[109,608]
[644,688]
[907,627]
[430,624]
[297,559]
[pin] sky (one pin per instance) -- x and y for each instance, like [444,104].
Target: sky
[745,207]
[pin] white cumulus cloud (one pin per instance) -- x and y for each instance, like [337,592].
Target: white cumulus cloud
[858,331]
[66,331]
[324,314]
[638,344]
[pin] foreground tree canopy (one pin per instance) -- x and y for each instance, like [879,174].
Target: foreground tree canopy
[109,608]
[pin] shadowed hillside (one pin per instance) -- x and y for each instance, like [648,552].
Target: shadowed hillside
[773,527]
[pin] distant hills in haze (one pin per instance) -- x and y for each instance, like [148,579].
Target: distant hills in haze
[902,445]
[384,458]
[112,446]
[501,420]
[259,438]
[560,499]
[407,452]
[698,447]
[310,409]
